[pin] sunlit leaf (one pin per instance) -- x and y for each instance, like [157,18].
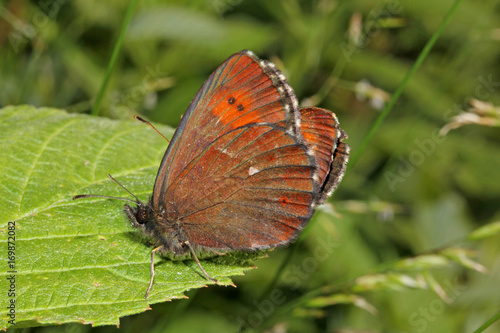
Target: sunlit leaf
[81,261]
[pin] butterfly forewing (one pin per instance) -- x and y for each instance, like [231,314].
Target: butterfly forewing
[243,90]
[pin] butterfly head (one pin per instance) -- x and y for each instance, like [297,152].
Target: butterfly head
[158,228]
[140,215]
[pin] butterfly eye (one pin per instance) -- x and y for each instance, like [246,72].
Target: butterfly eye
[141,215]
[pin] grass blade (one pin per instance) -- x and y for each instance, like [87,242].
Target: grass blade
[114,56]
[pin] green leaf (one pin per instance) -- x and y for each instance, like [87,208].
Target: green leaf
[81,260]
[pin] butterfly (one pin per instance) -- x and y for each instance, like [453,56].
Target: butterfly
[245,169]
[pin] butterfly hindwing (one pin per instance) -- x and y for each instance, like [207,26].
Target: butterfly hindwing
[321,132]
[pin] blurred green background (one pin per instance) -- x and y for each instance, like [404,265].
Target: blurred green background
[412,193]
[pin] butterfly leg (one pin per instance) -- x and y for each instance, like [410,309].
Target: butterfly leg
[198,262]
[152,270]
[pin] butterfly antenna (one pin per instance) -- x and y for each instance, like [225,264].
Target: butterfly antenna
[80,196]
[137,201]
[150,125]
[123,187]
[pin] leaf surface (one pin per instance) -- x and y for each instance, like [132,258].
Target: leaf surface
[81,260]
